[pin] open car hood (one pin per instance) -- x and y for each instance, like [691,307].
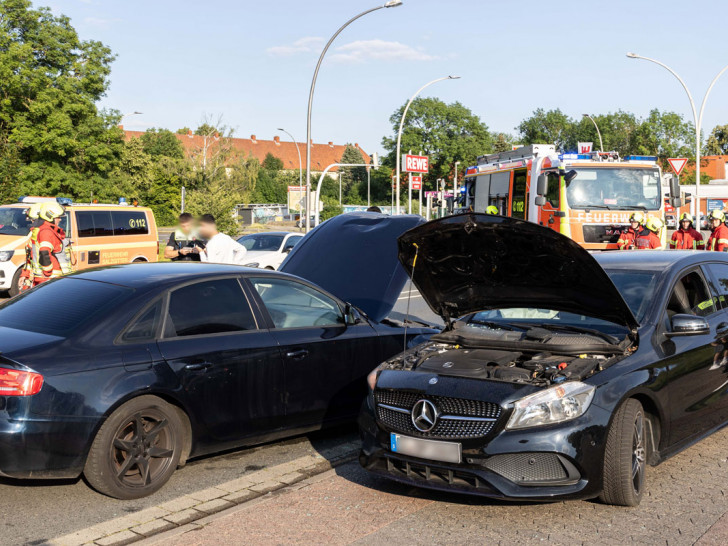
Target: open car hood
[354,256]
[475,262]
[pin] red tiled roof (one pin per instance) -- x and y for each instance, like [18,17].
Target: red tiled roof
[322,155]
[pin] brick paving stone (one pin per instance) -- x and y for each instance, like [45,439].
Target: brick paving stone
[215,505]
[153,527]
[118,539]
[265,487]
[179,504]
[241,496]
[185,516]
[208,494]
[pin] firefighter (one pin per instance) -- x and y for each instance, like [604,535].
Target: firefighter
[629,236]
[492,209]
[718,239]
[649,237]
[687,237]
[47,251]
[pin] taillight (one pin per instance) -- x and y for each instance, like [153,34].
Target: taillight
[19,383]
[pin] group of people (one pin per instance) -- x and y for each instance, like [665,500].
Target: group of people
[643,233]
[200,241]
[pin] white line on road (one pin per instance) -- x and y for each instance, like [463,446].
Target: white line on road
[410,296]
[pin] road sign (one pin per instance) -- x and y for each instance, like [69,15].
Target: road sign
[584,147]
[415,163]
[677,164]
[416,182]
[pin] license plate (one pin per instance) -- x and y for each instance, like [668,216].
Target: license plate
[448,452]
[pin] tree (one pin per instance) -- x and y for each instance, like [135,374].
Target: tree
[59,142]
[445,132]
[162,142]
[215,149]
[352,177]
[272,163]
[717,141]
[502,142]
[183,131]
[552,127]
[665,134]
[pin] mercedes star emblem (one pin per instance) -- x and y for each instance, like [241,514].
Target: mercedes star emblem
[424,415]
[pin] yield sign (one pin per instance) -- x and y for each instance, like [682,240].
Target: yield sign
[677,164]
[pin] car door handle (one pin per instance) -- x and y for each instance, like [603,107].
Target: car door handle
[722,329]
[198,366]
[300,354]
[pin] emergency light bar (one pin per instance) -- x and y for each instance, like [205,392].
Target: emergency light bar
[641,158]
[65,201]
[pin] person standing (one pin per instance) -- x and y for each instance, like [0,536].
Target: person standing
[629,236]
[649,238]
[47,252]
[184,243]
[718,240]
[220,248]
[687,237]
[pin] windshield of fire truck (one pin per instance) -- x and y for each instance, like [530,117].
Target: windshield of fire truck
[614,188]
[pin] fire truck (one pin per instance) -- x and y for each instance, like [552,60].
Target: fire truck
[588,197]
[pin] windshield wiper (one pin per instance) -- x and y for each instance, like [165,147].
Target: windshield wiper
[496,325]
[589,207]
[568,328]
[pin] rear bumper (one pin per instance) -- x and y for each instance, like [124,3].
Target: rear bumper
[44,449]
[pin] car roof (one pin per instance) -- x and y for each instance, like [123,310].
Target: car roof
[273,233]
[161,274]
[656,260]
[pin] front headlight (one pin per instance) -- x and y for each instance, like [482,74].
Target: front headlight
[252,264]
[553,405]
[5,255]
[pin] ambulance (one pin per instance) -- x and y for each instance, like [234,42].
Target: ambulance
[586,196]
[96,235]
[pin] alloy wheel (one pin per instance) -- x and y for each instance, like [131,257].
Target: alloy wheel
[638,453]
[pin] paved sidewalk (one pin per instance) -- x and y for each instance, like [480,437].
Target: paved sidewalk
[687,503]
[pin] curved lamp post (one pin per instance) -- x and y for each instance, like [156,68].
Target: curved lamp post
[397,158]
[390,4]
[697,117]
[601,144]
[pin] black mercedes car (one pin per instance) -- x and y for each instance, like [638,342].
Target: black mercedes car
[560,374]
[123,373]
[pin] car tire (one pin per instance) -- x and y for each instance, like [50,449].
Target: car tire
[136,450]
[14,289]
[625,456]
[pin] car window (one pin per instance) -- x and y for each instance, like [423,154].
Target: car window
[295,305]
[60,306]
[690,296]
[144,328]
[636,287]
[209,307]
[261,242]
[129,222]
[94,223]
[292,241]
[720,274]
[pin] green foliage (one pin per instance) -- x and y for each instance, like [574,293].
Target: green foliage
[183,130]
[352,177]
[552,127]
[207,129]
[331,208]
[717,141]
[162,142]
[445,132]
[272,163]
[502,142]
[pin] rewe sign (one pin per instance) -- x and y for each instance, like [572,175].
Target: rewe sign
[415,163]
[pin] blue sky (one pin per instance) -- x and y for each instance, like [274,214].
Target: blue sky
[251,62]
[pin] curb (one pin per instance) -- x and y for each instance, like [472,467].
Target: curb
[199,506]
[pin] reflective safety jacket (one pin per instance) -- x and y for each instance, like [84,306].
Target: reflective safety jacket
[689,239]
[718,240]
[627,239]
[647,239]
[47,254]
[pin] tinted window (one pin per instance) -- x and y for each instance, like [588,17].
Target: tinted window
[553,190]
[209,307]
[144,328]
[261,242]
[720,273]
[294,305]
[637,289]
[13,221]
[690,296]
[60,306]
[96,223]
[129,222]
[518,206]
[292,241]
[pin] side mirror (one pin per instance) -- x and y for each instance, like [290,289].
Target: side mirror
[570,175]
[542,186]
[351,315]
[540,201]
[287,249]
[687,325]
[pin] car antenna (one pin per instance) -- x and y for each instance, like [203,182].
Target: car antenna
[409,295]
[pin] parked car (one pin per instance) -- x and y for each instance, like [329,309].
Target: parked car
[268,250]
[670,221]
[560,374]
[123,373]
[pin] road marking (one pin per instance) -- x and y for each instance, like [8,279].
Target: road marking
[410,296]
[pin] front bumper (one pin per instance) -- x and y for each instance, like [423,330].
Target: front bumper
[540,464]
[7,270]
[44,449]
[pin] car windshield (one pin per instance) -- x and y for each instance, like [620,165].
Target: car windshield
[263,242]
[60,306]
[614,188]
[637,289]
[13,221]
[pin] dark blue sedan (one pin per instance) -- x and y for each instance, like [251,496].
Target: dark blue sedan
[123,373]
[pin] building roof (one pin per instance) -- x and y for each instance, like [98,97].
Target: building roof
[322,155]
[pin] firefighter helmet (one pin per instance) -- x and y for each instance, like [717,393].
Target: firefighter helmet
[717,215]
[637,217]
[492,209]
[34,211]
[653,224]
[686,217]
[50,211]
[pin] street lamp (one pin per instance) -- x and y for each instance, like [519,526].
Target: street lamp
[397,158]
[300,163]
[135,113]
[697,118]
[390,4]
[601,144]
